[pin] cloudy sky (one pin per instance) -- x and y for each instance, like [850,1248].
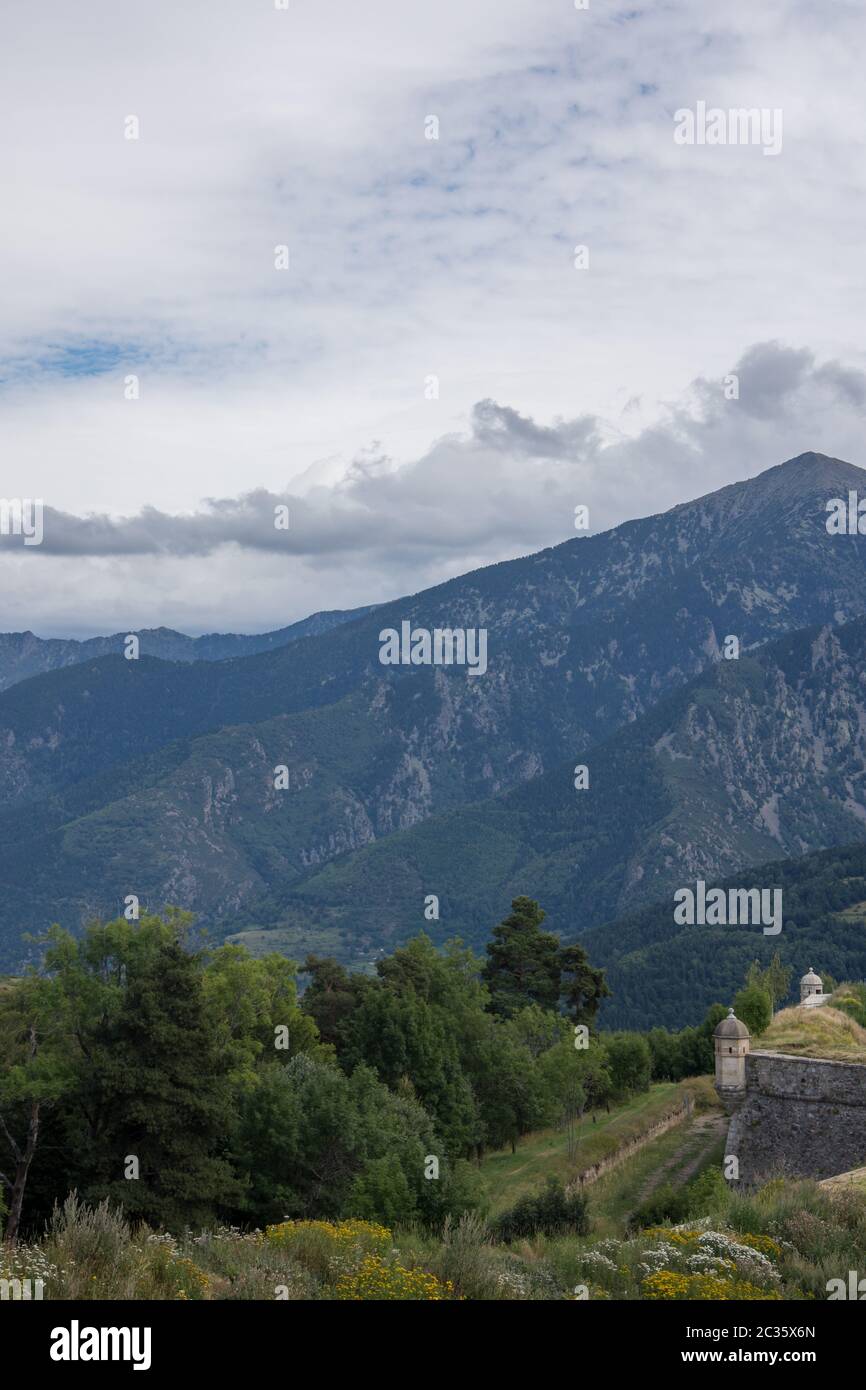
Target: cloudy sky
[432,384]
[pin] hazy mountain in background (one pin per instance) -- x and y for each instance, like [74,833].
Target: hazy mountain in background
[22,654]
[158,777]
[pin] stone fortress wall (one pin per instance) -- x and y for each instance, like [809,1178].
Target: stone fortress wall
[801,1116]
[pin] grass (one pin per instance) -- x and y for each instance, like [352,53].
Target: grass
[855,1180]
[509,1176]
[615,1196]
[822,1032]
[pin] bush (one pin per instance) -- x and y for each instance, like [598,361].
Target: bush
[464,1259]
[705,1193]
[92,1250]
[754,1008]
[93,1253]
[667,1203]
[552,1212]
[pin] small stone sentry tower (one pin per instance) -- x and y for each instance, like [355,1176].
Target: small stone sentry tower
[731,1041]
[809,985]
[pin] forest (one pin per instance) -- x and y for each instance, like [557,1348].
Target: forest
[192,1085]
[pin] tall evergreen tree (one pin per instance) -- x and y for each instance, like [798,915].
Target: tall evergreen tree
[523,962]
[161,1086]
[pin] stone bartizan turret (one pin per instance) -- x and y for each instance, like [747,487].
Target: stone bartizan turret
[810,985]
[731,1041]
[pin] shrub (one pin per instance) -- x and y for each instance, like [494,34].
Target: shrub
[93,1236]
[92,1250]
[551,1212]
[706,1192]
[666,1204]
[464,1258]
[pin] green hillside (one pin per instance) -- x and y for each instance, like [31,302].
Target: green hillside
[660,973]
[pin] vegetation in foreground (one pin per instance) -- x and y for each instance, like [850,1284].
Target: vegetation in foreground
[196,1087]
[786,1241]
[178,1124]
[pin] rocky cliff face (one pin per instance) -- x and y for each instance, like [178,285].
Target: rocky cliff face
[760,757]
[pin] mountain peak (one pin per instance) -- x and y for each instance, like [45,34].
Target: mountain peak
[813,462]
[799,487]
[814,470]
[801,484]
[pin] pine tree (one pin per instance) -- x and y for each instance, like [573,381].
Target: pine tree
[161,1086]
[523,962]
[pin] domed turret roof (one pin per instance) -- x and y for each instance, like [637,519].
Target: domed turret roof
[731,1027]
[810,978]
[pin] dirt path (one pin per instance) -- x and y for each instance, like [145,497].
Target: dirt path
[703,1134]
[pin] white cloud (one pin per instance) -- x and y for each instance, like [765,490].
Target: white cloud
[507,485]
[409,258]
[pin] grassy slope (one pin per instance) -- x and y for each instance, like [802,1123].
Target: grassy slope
[854,1181]
[671,1160]
[821,1032]
[539,1156]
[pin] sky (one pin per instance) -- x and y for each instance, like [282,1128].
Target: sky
[437,377]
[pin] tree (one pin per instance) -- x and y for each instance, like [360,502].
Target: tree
[753,1007]
[315,1142]
[296,1141]
[689,1052]
[572,1080]
[523,962]
[583,988]
[505,1085]
[774,979]
[538,1029]
[159,1083]
[630,1062]
[713,1017]
[248,1000]
[665,1052]
[403,1035]
[35,1074]
[330,996]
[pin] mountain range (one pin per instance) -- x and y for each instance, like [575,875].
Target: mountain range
[157,776]
[23,654]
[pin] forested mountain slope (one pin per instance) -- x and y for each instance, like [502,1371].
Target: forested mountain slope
[158,777]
